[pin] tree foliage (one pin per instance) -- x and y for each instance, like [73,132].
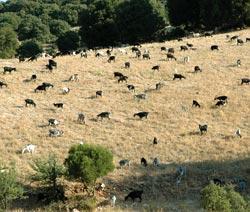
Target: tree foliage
[68,41]
[29,48]
[8,42]
[88,162]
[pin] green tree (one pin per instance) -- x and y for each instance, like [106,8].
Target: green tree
[10,20]
[29,48]
[9,187]
[47,171]
[31,27]
[58,27]
[88,162]
[8,42]
[68,41]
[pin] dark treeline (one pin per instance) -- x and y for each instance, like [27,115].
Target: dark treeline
[72,24]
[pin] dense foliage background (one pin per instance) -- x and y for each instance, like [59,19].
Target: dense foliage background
[112,22]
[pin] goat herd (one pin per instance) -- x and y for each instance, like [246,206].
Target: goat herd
[111,55]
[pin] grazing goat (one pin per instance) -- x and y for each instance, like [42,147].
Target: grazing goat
[134,195]
[98,93]
[3,84]
[144,162]
[29,102]
[53,122]
[58,105]
[196,104]
[140,96]
[178,76]
[197,69]
[156,162]
[190,45]
[40,88]
[74,77]
[29,148]
[47,85]
[118,74]
[127,64]
[184,48]
[103,115]
[240,42]
[122,79]
[65,90]
[142,115]
[8,69]
[131,88]
[157,67]
[124,162]
[220,103]
[52,63]
[33,77]
[81,118]
[171,50]
[146,56]
[221,98]
[245,81]
[55,133]
[203,128]
[215,47]
[234,37]
[135,49]
[171,57]
[238,133]
[155,141]
[111,58]
[138,54]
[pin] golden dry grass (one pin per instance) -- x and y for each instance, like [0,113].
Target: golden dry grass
[171,117]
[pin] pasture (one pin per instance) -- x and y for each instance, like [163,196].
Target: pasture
[171,119]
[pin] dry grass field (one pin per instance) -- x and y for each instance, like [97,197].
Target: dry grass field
[171,118]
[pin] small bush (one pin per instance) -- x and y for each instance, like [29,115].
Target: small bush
[10,189]
[216,198]
[68,41]
[88,204]
[29,49]
[88,162]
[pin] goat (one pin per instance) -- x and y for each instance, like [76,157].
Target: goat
[157,67]
[186,59]
[74,77]
[98,93]
[245,81]
[140,96]
[127,64]
[138,54]
[53,122]
[240,42]
[131,87]
[247,40]
[238,63]
[21,59]
[142,115]
[109,52]
[55,133]
[158,86]
[29,148]
[29,102]
[124,162]
[33,77]
[156,162]
[52,63]
[40,88]
[155,141]
[118,74]
[65,90]
[122,79]
[184,48]
[203,128]
[178,76]
[84,54]
[103,115]
[214,47]
[135,49]
[3,84]
[8,69]
[234,37]
[144,162]
[171,57]
[113,199]
[220,103]
[58,105]
[111,58]
[196,104]
[47,85]
[221,98]
[134,195]
[163,48]
[197,69]
[190,45]
[146,56]
[81,118]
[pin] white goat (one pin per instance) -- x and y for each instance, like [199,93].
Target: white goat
[65,90]
[55,133]
[30,148]
[238,133]
[113,199]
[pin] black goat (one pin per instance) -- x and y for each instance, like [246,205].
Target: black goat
[196,104]
[134,195]
[221,98]
[214,47]
[122,79]
[171,50]
[146,56]
[118,74]
[197,69]
[33,77]
[131,87]
[111,58]
[3,84]
[178,76]
[127,64]
[171,57]
[245,81]
[40,88]
[184,48]
[98,93]
[220,103]
[203,128]
[47,85]
[29,102]
[58,105]
[157,67]
[8,69]
[104,115]
[142,115]
[144,162]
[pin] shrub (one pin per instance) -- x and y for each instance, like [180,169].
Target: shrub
[68,41]
[88,204]
[88,162]
[216,198]
[10,189]
[8,42]
[58,27]
[29,49]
